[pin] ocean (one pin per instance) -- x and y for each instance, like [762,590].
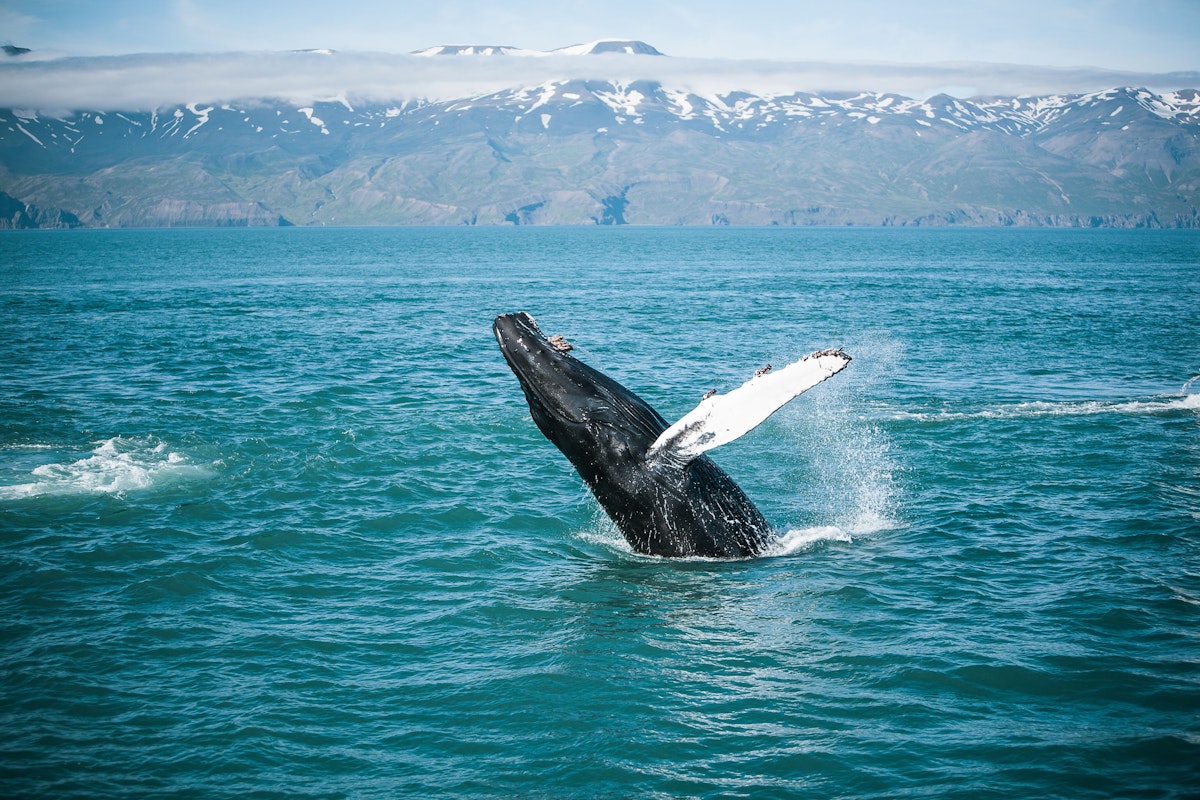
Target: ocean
[275,520]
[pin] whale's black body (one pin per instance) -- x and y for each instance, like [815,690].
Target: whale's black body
[664,501]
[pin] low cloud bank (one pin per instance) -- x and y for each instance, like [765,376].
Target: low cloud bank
[147,82]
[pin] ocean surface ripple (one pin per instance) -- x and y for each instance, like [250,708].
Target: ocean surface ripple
[275,522]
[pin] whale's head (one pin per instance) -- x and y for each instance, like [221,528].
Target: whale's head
[594,420]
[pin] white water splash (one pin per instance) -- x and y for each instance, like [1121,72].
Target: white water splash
[115,466]
[1188,401]
[867,517]
[800,539]
[850,484]
[604,533]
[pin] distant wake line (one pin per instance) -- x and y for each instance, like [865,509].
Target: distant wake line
[1031,410]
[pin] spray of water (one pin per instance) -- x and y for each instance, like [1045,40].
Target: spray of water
[849,470]
[1189,400]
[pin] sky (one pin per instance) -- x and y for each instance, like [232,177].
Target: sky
[1140,35]
[764,45]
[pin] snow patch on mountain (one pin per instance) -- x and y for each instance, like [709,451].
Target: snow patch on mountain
[315,120]
[201,115]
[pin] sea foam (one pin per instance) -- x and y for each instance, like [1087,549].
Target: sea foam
[115,466]
[1076,408]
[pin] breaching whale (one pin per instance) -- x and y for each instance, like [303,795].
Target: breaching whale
[666,497]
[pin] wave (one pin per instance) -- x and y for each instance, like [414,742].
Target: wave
[795,540]
[115,466]
[604,533]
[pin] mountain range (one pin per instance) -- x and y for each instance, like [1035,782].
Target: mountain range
[612,151]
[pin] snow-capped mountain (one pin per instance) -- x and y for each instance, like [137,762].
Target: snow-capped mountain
[602,151]
[622,46]
[473,50]
[599,47]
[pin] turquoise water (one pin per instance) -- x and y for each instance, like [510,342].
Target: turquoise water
[275,522]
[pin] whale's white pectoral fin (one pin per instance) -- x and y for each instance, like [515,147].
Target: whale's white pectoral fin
[722,418]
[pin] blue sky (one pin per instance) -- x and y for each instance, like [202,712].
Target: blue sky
[1140,35]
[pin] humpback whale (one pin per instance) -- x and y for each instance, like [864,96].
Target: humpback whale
[666,497]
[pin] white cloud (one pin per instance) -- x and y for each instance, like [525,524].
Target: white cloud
[146,82]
